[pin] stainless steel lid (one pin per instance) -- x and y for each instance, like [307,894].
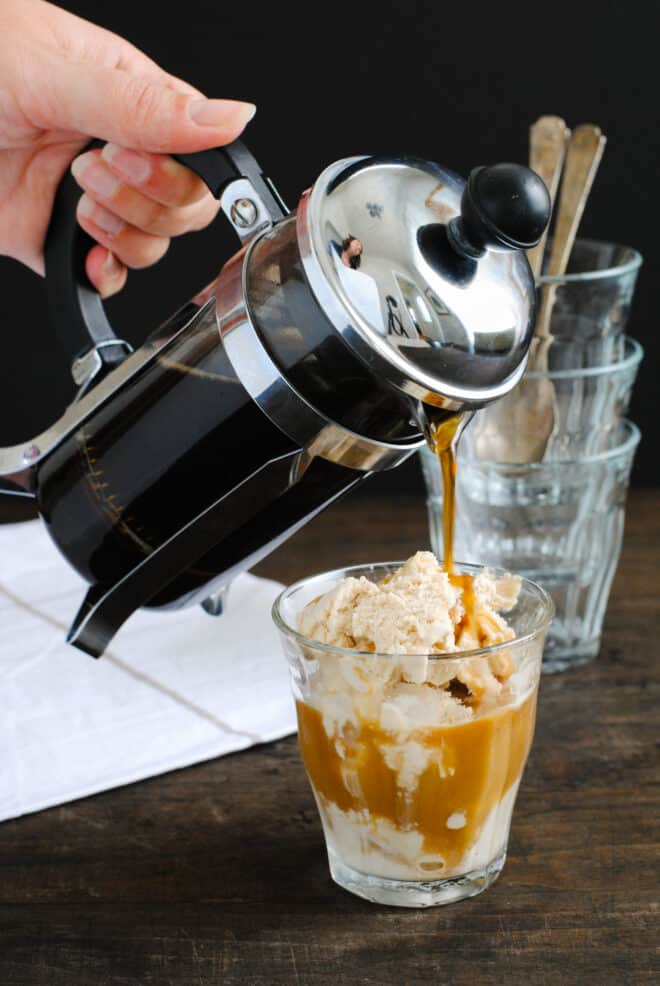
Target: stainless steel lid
[425,275]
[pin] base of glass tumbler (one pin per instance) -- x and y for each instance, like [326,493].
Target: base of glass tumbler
[414,893]
[564,658]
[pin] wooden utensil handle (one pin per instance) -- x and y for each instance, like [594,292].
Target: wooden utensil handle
[585,150]
[548,138]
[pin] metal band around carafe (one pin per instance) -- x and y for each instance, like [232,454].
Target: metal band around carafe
[317,435]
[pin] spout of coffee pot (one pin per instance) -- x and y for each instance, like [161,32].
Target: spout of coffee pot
[434,422]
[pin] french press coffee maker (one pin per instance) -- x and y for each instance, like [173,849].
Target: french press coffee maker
[395,293]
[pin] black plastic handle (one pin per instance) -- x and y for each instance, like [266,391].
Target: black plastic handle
[220,166]
[76,309]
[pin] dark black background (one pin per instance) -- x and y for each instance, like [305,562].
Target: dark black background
[458,83]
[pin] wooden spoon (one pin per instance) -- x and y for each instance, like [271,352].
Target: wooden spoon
[548,138]
[582,159]
[513,429]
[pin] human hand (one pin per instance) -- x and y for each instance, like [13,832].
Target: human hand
[64,80]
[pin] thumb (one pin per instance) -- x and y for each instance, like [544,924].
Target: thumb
[134,111]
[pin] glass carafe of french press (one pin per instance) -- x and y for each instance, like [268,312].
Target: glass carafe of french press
[395,291]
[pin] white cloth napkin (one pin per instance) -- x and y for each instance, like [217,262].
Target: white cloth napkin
[173,688]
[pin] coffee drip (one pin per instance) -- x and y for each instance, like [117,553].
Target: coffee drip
[442,438]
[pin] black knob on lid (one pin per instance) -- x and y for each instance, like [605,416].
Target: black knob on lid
[504,207]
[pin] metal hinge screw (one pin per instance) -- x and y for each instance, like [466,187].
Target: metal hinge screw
[243,213]
[31,454]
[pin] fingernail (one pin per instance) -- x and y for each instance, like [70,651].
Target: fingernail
[95,177]
[132,166]
[221,112]
[103,218]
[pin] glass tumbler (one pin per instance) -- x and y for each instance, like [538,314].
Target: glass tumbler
[589,402]
[415,785]
[591,302]
[559,523]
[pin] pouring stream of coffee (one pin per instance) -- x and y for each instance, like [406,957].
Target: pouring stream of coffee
[443,438]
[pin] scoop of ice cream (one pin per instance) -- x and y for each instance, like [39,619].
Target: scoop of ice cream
[419,609]
[329,618]
[414,611]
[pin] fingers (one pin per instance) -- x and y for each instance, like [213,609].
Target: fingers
[161,178]
[135,202]
[132,110]
[105,272]
[129,245]
[153,193]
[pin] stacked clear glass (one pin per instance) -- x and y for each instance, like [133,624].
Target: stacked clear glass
[592,301]
[559,521]
[413,814]
[589,402]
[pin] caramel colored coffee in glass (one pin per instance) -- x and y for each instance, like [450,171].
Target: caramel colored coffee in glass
[471,768]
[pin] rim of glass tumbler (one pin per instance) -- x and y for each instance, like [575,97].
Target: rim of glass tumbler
[630,443]
[634,263]
[634,358]
[548,611]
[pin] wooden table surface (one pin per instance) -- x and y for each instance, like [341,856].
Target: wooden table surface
[217,875]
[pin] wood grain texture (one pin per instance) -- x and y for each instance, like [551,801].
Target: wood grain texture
[216,874]
[548,137]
